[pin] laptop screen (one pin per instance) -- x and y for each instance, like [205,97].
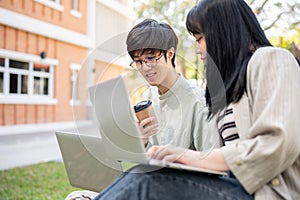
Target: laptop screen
[116,120]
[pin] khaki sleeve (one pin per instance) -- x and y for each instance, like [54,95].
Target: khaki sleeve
[272,143]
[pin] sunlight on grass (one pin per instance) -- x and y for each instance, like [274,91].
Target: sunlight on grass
[36,182]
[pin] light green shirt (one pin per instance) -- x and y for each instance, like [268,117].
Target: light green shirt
[181,113]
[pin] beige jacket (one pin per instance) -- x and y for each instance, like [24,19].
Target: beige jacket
[266,160]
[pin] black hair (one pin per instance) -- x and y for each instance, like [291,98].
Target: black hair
[232,34]
[149,35]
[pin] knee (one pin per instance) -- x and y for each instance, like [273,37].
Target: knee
[81,195]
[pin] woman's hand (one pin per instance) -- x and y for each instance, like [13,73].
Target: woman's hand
[212,159]
[171,153]
[147,128]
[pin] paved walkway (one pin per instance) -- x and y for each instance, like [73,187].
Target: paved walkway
[20,150]
[30,148]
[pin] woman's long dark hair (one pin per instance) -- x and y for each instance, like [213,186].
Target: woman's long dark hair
[232,34]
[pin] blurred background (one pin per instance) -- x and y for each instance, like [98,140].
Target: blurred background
[51,51]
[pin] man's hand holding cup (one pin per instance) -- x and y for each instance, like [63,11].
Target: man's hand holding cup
[146,120]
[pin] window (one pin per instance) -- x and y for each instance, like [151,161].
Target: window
[55,4]
[75,9]
[74,69]
[123,2]
[75,5]
[18,77]
[55,1]
[1,74]
[26,80]
[41,79]
[1,82]
[19,74]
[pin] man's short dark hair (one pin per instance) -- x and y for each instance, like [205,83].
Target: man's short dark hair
[151,35]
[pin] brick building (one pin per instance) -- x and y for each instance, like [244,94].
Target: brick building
[44,72]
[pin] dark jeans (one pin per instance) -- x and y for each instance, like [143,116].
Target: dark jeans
[172,184]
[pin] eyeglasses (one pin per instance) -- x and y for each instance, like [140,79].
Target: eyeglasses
[150,61]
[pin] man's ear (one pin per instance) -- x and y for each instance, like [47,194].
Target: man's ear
[171,53]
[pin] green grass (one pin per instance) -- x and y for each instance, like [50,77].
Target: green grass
[36,182]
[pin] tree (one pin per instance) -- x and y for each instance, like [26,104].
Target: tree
[281,21]
[173,13]
[275,16]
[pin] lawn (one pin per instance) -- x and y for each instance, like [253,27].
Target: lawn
[36,182]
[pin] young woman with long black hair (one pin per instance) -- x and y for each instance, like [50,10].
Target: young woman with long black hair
[253,94]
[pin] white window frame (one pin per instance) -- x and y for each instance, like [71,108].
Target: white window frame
[29,98]
[55,4]
[42,75]
[75,9]
[75,5]
[74,97]
[16,71]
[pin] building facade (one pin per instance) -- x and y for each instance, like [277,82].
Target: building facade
[45,67]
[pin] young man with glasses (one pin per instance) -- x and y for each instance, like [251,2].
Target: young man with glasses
[179,106]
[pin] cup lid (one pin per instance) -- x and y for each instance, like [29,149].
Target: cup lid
[142,105]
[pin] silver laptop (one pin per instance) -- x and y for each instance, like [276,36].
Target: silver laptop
[118,127]
[86,161]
